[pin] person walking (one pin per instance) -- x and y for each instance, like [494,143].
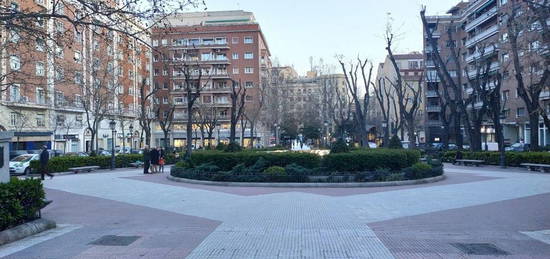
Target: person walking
[44,158]
[162,160]
[155,159]
[146,159]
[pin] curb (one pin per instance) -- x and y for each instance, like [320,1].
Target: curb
[310,185]
[25,230]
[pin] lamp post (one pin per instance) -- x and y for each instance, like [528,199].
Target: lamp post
[326,133]
[218,125]
[276,125]
[131,128]
[112,125]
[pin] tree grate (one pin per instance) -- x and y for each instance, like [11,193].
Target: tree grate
[112,240]
[479,249]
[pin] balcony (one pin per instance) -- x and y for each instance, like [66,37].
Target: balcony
[544,95]
[482,18]
[433,108]
[433,123]
[431,94]
[482,35]
[216,60]
[494,66]
[488,51]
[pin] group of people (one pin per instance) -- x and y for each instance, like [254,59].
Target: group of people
[153,159]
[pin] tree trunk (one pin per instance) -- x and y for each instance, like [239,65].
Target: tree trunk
[534,132]
[165,132]
[189,133]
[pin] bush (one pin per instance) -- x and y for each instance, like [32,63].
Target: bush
[226,160]
[297,173]
[20,201]
[370,160]
[233,147]
[221,146]
[275,174]
[395,143]
[63,163]
[339,146]
[492,158]
[418,171]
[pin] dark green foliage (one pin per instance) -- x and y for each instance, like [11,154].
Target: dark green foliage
[20,201]
[63,163]
[226,161]
[221,146]
[395,143]
[233,147]
[275,174]
[297,173]
[339,146]
[418,171]
[371,159]
[492,158]
[275,170]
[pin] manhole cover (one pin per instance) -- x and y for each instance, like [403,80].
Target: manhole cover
[111,240]
[479,249]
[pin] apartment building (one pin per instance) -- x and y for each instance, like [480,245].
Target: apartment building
[411,67]
[49,82]
[227,46]
[478,29]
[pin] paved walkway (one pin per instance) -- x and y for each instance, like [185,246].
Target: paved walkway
[476,212]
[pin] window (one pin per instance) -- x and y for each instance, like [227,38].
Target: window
[15,63]
[520,112]
[15,94]
[60,8]
[14,36]
[78,36]
[40,96]
[60,119]
[14,118]
[165,85]
[40,68]
[235,40]
[221,41]
[59,27]
[78,79]
[249,84]
[207,99]
[40,45]
[40,120]
[505,95]
[155,43]
[58,51]
[156,73]
[165,100]
[413,64]
[249,98]
[78,120]
[248,55]
[235,55]
[249,70]
[39,22]
[59,74]
[222,99]
[164,42]
[77,57]
[235,71]
[248,40]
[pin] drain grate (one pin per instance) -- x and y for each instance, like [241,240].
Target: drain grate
[479,249]
[112,240]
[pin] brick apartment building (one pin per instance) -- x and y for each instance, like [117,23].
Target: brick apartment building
[411,66]
[226,45]
[46,82]
[478,29]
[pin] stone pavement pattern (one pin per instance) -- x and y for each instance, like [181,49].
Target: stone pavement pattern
[509,210]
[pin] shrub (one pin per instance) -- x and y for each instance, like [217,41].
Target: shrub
[395,177]
[492,158]
[183,164]
[380,175]
[275,174]
[226,161]
[297,173]
[233,147]
[395,143]
[370,160]
[20,201]
[63,163]
[340,146]
[418,171]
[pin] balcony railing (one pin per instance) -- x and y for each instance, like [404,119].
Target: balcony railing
[482,18]
[433,108]
[488,51]
[432,93]
[494,66]
[482,35]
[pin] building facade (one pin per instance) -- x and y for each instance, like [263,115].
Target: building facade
[411,68]
[228,47]
[478,29]
[49,82]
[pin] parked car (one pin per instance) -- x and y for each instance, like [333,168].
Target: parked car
[81,154]
[520,147]
[20,165]
[103,153]
[16,153]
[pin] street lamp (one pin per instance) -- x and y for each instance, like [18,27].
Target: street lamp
[218,125]
[131,138]
[112,125]
[326,133]
[276,125]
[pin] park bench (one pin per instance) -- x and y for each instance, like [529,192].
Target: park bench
[467,162]
[83,169]
[536,167]
[137,164]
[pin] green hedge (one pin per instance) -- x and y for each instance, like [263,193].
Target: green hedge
[226,160]
[492,158]
[63,163]
[20,201]
[370,159]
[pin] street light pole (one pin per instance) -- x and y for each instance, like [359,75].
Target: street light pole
[131,128]
[276,134]
[218,125]
[112,124]
[326,133]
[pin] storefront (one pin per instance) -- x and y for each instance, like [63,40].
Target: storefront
[31,140]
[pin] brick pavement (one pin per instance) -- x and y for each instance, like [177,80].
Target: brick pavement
[235,222]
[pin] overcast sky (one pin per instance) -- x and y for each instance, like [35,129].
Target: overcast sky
[298,29]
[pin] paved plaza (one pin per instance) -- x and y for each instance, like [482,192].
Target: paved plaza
[475,213]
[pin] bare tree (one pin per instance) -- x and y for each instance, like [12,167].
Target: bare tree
[208,119]
[361,102]
[165,116]
[383,94]
[146,114]
[238,96]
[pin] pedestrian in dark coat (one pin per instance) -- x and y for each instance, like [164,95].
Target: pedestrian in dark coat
[146,159]
[155,156]
[44,158]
